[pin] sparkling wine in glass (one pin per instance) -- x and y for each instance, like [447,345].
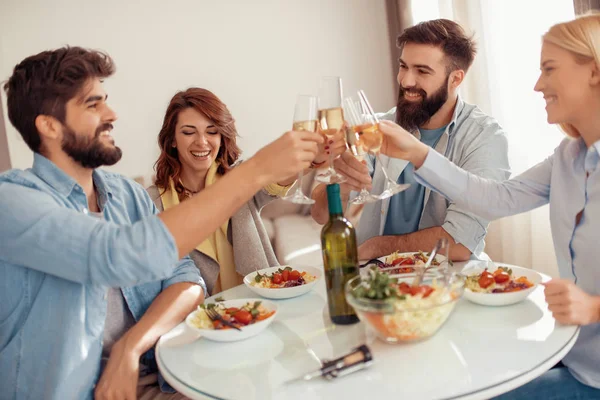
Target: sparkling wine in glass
[356,144]
[372,139]
[305,119]
[331,120]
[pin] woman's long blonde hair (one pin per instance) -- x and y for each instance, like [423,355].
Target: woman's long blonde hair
[581,37]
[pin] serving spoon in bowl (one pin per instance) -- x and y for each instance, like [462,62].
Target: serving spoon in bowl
[441,244]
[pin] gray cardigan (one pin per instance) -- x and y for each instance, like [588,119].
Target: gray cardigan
[252,249]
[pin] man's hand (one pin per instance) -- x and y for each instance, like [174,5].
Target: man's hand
[368,250]
[398,143]
[356,172]
[120,377]
[570,305]
[288,155]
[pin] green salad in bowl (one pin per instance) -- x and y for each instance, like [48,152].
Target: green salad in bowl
[400,312]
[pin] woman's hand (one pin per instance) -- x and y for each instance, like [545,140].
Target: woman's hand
[334,145]
[398,143]
[570,305]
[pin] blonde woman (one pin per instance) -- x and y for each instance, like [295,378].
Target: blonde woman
[569,180]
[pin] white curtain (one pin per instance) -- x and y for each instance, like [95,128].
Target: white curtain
[501,83]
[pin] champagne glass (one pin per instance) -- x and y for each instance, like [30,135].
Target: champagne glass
[372,139]
[356,144]
[305,119]
[331,120]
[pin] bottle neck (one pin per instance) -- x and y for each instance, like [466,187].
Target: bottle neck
[335,215]
[335,205]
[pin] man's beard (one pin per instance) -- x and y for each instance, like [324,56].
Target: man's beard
[413,114]
[90,153]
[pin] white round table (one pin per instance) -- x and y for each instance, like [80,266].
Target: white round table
[479,353]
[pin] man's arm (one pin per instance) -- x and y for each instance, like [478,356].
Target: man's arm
[39,233]
[168,309]
[486,157]
[423,240]
[276,162]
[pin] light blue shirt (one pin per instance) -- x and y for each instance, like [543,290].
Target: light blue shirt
[56,264]
[561,180]
[406,207]
[472,140]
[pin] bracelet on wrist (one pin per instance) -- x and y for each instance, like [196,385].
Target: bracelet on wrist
[317,164]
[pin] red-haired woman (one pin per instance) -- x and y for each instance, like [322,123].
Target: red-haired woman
[198,145]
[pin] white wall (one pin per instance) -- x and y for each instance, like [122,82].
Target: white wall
[255,55]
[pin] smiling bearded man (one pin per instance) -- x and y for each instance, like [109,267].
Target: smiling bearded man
[435,56]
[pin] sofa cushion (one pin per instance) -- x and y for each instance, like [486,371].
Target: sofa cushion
[269,228]
[298,241]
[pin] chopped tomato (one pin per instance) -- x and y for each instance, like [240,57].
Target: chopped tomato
[243,317]
[217,324]
[501,277]
[232,310]
[423,290]
[486,279]
[277,278]
[261,317]
[525,281]
[404,288]
[294,275]
[285,275]
[403,261]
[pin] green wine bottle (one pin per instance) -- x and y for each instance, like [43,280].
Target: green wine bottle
[338,241]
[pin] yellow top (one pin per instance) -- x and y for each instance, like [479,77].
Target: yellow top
[216,246]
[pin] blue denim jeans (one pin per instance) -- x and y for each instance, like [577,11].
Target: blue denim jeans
[556,384]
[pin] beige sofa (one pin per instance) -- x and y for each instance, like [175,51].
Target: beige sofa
[295,236]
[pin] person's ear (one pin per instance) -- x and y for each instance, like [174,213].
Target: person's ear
[595,75]
[456,78]
[48,127]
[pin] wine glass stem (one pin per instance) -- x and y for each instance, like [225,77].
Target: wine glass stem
[299,187]
[387,178]
[331,161]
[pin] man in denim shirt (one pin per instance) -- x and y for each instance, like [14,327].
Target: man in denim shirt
[71,234]
[435,58]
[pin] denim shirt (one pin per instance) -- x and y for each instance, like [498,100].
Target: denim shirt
[570,181]
[56,264]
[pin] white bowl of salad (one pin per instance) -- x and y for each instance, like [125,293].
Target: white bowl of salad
[282,282]
[491,285]
[251,316]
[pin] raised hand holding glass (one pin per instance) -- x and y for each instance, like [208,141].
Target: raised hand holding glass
[305,119]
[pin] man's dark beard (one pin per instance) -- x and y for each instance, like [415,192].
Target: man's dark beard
[413,114]
[90,153]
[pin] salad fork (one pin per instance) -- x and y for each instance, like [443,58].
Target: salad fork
[374,261]
[441,244]
[215,316]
